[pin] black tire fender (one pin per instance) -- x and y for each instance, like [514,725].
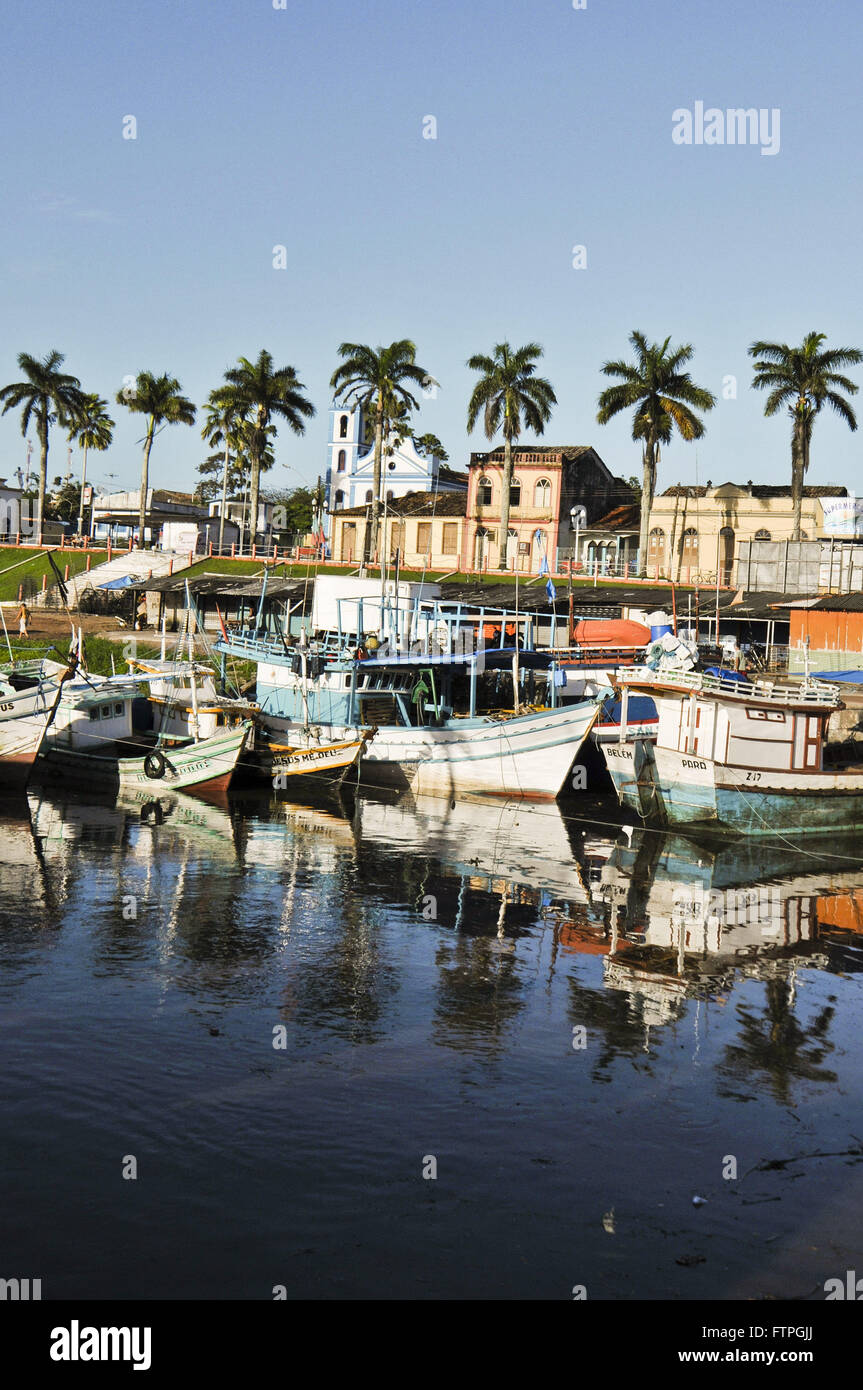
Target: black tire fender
[155,765]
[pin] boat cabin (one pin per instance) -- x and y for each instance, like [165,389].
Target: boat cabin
[739,723]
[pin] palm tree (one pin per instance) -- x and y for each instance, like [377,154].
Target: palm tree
[160,399]
[663,397]
[94,429]
[221,427]
[803,379]
[506,392]
[48,396]
[430,447]
[258,392]
[374,378]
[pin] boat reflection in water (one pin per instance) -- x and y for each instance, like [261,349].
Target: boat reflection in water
[687,922]
[428,966]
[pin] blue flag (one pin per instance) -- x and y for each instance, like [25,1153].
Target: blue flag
[550,590]
[543,565]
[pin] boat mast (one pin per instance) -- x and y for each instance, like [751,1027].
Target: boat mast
[196,732]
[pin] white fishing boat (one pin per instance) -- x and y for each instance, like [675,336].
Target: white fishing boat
[450,717]
[527,754]
[185,701]
[736,755]
[203,768]
[29,695]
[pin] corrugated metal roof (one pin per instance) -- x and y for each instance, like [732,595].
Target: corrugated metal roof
[233,585]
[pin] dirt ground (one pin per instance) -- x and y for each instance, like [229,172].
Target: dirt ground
[55,625]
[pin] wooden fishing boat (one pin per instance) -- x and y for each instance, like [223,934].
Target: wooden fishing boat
[30,693]
[750,757]
[201,768]
[304,757]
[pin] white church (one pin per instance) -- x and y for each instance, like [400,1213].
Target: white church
[350,472]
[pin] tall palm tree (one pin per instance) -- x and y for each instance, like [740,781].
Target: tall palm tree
[160,399]
[261,394]
[94,429]
[220,427]
[48,397]
[803,379]
[665,398]
[507,393]
[375,379]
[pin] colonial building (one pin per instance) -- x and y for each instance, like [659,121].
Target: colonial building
[350,471]
[610,545]
[555,490]
[695,531]
[425,528]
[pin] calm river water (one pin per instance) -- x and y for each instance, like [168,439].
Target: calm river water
[399,1050]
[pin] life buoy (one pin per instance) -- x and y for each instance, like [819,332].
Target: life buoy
[155,765]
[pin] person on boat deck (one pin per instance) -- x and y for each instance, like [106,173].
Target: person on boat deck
[23,619]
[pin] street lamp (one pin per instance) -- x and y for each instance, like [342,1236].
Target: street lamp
[577,518]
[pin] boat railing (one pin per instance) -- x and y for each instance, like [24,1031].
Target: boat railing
[805,691]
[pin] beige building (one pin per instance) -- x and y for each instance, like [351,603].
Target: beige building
[425,528]
[695,532]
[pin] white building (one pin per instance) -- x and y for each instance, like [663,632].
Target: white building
[351,461]
[13,518]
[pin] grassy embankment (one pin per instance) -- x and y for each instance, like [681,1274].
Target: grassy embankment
[282,570]
[97,650]
[20,562]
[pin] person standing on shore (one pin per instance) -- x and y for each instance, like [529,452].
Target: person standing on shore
[23,619]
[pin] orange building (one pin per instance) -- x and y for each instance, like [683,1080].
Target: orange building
[833,626]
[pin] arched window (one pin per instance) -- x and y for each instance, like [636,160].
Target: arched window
[515,493]
[368,496]
[483,492]
[343,427]
[340,497]
[762,535]
[343,458]
[542,493]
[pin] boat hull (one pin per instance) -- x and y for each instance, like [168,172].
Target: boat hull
[526,756]
[323,762]
[20,741]
[204,768]
[671,788]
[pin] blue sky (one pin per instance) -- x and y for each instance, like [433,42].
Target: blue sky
[304,127]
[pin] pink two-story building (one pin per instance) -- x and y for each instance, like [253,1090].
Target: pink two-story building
[556,490]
